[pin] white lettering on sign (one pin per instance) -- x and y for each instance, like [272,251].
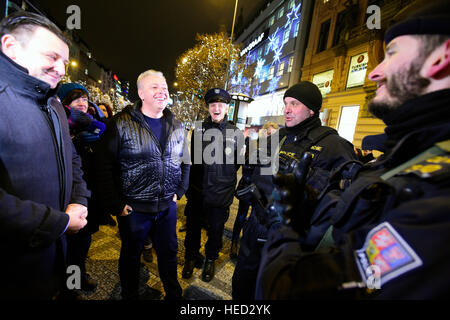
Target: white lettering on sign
[252,44]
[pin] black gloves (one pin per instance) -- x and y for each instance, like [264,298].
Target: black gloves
[290,194]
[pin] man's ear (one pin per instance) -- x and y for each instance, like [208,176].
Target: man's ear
[9,44]
[440,64]
[140,94]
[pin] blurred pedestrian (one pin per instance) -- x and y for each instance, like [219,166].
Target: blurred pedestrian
[106,109]
[86,131]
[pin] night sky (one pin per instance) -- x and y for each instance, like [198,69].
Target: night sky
[132,36]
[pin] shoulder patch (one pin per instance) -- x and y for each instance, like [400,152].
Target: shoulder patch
[430,168]
[288,154]
[386,249]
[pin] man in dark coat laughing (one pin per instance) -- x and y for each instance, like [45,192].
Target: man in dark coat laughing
[42,193]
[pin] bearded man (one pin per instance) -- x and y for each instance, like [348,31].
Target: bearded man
[390,228]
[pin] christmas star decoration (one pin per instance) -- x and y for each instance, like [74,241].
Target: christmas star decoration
[259,66]
[277,55]
[273,85]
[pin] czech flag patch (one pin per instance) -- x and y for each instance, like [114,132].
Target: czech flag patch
[385,249]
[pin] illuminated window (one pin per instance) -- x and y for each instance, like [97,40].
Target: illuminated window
[271,21]
[280,69]
[291,64]
[291,4]
[296,29]
[271,71]
[263,76]
[286,36]
[280,13]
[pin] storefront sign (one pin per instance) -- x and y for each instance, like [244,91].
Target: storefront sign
[263,36]
[357,71]
[323,81]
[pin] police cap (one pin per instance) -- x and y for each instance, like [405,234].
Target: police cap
[217,95]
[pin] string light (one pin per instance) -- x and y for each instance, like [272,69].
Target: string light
[273,40]
[277,54]
[204,67]
[256,89]
[259,67]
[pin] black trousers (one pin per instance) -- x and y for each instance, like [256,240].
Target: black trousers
[197,213]
[134,229]
[77,249]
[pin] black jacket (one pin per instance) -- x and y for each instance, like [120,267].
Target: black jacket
[292,142]
[39,176]
[401,223]
[85,147]
[328,153]
[132,168]
[215,179]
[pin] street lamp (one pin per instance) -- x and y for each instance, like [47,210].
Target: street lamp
[74,65]
[231,43]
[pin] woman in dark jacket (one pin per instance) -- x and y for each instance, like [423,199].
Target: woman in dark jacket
[85,129]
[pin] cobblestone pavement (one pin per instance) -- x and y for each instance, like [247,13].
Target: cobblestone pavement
[102,265]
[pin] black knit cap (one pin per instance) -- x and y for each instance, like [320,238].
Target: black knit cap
[432,19]
[307,93]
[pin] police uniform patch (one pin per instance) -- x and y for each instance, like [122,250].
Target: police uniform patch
[385,248]
[432,167]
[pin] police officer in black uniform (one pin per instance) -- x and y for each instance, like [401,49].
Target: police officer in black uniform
[303,133]
[390,228]
[216,147]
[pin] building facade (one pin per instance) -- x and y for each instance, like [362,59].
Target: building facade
[345,45]
[82,67]
[332,43]
[273,47]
